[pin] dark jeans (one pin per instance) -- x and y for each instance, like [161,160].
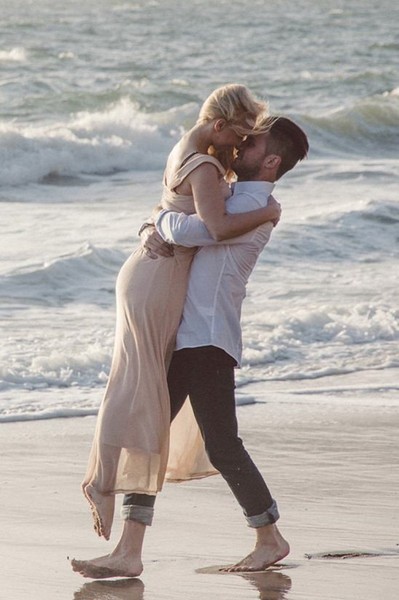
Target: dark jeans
[206,375]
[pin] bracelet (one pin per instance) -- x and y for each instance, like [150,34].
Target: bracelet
[144,226]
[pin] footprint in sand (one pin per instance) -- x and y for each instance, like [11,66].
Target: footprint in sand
[344,554]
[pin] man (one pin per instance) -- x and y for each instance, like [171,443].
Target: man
[209,347]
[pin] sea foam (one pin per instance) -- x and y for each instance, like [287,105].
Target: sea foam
[120,138]
[16,54]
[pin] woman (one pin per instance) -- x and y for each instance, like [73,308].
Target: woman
[131,444]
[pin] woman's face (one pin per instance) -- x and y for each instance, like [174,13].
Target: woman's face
[226,136]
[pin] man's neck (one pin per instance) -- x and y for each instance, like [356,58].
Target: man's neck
[243,179]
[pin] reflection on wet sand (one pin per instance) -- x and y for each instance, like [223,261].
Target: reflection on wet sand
[272,585]
[121,589]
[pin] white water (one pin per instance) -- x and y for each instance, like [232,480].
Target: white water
[88,115]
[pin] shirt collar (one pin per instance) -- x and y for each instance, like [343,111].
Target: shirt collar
[264,187]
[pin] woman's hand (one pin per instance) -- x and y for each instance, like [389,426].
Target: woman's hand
[153,244]
[275,207]
[225,189]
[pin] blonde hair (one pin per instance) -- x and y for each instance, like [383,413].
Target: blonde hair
[236,105]
[264,124]
[239,108]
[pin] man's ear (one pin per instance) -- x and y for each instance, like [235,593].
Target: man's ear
[272,161]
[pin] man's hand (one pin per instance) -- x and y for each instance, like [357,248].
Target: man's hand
[272,203]
[153,244]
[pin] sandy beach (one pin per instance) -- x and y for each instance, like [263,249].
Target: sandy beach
[94,95]
[330,463]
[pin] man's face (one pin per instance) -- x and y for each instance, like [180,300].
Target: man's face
[250,157]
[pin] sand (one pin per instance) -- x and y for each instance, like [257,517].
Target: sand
[331,463]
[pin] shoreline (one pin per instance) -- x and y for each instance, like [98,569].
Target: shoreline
[331,467]
[372,387]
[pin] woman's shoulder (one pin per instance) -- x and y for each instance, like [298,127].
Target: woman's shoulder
[180,166]
[195,159]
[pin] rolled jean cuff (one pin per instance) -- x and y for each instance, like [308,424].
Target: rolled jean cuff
[134,512]
[271,515]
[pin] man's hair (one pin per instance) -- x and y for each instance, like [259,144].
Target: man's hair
[286,139]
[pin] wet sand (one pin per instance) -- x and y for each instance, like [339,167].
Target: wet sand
[331,463]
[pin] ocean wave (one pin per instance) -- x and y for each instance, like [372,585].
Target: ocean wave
[362,324]
[44,413]
[120,138]
[38,406]
[304,343]
[88,275]
[377,213]
[17,54]
[316,342]
[385,46]
[34,405]
[363,231]
[367,128]
[56,367]
[124,138]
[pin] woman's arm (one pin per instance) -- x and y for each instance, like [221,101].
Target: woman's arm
[210,206]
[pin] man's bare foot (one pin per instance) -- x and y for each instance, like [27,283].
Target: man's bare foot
[260,559]
[269,549]
[102,507]
[105,567]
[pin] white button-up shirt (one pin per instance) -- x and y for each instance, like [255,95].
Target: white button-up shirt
[219,271]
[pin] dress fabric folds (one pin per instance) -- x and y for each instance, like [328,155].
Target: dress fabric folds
[134,448]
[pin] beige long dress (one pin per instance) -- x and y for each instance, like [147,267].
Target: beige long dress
[131,444]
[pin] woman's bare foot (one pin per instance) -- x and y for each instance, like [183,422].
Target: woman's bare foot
[111,565]
[102,507]
[124,561]
[270,547]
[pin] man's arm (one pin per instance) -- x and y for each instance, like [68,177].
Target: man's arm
[190,231]
[183,230]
